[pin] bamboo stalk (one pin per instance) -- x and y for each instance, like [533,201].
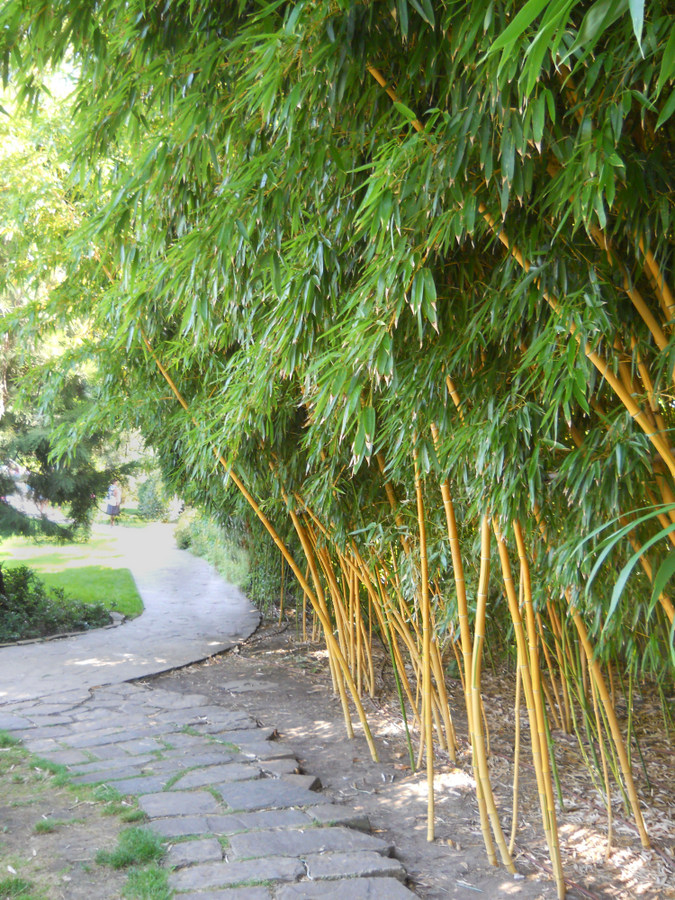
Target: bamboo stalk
[554,700]
[304,619]
[548,810]
[390,620]
[460,583]
[588,656]
[393,503]
[636,298]
[333,648]
[523,661]
[481,772]
[425,607]
[281,597]
[605,773]
[663,292]
[447,734]
[564,657]
[516,763]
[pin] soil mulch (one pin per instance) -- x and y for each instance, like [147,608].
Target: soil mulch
[285,682]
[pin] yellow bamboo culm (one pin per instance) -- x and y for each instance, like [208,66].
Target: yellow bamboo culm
[523,662]
[605,772]
[321,609]
[560,646]
[663,292]
[610,713]
[552,694]
[516,762]
[281,593]
[588,657]
[458,571]
[449,739]
[486,802]
[548,810]
[425,608]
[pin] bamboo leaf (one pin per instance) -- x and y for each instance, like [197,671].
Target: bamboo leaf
[637,14]
[241,228]
[402,7]
[663,576]
[596,22]
[667,69]
[538,118]
[405,111]
[667,111]
[522,20]
[426,10]
[625,573]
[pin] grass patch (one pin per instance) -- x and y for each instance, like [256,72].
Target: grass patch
[133,815]
[135,846]
[150,883]
[194,732]
[49,766]
[47,826]
[8,740]
[115,804]
[31,787]
[115,588]
[15,887]
[88,572]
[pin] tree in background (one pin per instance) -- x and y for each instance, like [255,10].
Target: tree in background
[400,273]
[38,213]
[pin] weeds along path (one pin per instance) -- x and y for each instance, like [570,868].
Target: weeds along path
[190,614]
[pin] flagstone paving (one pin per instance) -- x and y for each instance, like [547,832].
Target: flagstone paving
[238,819]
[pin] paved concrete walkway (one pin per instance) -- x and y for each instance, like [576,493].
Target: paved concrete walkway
[240,821]
[190,614]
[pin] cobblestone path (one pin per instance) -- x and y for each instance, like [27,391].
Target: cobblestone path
[238,820]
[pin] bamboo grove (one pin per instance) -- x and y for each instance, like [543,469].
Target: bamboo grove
[398,275]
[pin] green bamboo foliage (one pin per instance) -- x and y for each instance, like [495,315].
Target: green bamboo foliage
[408,266]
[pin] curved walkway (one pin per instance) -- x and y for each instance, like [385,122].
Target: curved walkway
[227,795]
[190,614]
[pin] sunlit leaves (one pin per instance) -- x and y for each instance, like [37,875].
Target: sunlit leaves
[312,268]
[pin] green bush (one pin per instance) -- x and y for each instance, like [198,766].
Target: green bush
[241,552]
[152,500]
[223,549]
[29,609]
[183,532]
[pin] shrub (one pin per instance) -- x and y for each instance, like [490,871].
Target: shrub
[222,548]
[29,609]
[241,552]
[183,532]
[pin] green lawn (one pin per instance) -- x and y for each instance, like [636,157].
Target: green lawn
[88,572]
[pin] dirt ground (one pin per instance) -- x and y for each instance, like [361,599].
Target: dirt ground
[285,683]
[56,864]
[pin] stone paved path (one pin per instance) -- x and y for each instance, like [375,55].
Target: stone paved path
[240,822]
